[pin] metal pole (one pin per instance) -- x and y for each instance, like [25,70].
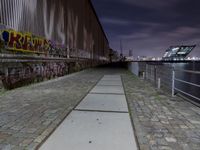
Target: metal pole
[173,82]
[146,74]
[155,75]
[143,75]
[158,83]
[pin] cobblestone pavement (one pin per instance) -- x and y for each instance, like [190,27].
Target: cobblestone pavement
[161,123]
[29,114]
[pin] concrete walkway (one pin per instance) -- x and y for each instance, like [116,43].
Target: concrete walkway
[101,121]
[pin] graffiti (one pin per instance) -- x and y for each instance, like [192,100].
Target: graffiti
[80,53]
[29,43]
[23,42]
[57,49]
[49,25]
[28,73]
[49,70]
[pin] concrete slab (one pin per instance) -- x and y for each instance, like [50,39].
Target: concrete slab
[93,131]
[110,79]
[104,102]
[108,90]
[111,82]
[112,76]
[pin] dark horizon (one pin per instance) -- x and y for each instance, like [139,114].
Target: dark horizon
[149,27]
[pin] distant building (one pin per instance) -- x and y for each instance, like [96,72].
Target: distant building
[130,52]
[178,52]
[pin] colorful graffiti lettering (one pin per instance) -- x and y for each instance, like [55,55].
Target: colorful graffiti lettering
[29,43]
[24,42]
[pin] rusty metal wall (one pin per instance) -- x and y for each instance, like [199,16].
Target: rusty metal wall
[72,23]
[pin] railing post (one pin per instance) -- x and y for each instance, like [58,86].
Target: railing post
[173,82]
[146,72]
[159,83]
[143,75]
[155,75]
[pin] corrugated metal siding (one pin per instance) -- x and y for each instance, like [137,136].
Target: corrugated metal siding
[69,22]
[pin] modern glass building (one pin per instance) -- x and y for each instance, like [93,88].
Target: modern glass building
[178,52]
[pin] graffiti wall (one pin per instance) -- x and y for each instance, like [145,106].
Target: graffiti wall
[49,29]
[72,23]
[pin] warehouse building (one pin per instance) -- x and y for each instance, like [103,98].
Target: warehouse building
[49,29]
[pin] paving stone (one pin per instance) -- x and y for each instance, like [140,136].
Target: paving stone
[194,146]
[6,146]
[144,147]
[164,148]
[26,142]
[40,138]
[164,122]
[183,127]
[195,140]
[161,141]
[17,128]
[4,135]
[195,122]
[158,135]
[154,119]
[32,146]
[170,139]
[153,147]
[143,140]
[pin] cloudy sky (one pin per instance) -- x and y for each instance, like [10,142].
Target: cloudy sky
[149,27]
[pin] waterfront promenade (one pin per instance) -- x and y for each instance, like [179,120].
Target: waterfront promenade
[29,115]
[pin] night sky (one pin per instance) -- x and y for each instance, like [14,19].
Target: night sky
[149,27]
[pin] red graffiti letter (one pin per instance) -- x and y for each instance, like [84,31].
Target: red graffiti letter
[15,40]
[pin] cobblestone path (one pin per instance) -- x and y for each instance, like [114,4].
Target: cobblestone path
[161,123]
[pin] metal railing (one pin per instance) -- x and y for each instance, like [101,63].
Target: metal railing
[175,78]
[160,76]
